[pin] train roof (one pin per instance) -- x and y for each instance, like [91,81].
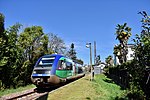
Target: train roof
[50,55]
[59,56]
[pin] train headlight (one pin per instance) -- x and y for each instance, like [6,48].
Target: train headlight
[34,72]
[47,72]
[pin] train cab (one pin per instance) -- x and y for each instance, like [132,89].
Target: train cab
[54,69]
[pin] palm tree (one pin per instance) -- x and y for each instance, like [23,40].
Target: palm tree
[117,52]
[123,33]
[109,60]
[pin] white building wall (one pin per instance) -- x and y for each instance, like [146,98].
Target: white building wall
[116,61]
[130,55]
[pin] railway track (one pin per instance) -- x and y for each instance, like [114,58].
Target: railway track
[34,93]
[25,95]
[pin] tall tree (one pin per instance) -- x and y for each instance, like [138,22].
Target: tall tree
[3,41]
[123,33]
[12,57]
[56,44]
[9,53]
[31,40]
[34,44]
[138,67]
[72,53]
[142,42]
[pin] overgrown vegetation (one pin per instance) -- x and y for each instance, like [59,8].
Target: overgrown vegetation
[19,52]
[106,88]
[134,75]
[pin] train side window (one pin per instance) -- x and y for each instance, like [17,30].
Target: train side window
[69,66]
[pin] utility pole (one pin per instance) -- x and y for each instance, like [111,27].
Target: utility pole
[91,63]
[94,53]
[88,45]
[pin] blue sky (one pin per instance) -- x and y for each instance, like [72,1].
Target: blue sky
[78,21]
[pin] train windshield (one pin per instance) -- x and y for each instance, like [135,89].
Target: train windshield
[46,62]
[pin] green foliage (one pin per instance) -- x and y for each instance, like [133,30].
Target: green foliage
[109,60]
[133,94]
[79,61]
[117,51]
[136,69]
[109,63]
[142,42]
[72,53]
[18,53]
[98,60]
[10,56]
[123,32]
[1,23]
[34,44]
[3,43]
[130,78]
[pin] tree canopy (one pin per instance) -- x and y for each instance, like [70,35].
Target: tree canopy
[123,32]
[19,51]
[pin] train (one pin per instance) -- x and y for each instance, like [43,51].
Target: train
[54,69]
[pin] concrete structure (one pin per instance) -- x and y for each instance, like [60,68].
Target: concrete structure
[99,69]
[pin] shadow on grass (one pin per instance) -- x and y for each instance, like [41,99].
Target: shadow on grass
[117,81]
[121,88]
[88,98]
[109,81]
[113,82]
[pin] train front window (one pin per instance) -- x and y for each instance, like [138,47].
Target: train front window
[46,62]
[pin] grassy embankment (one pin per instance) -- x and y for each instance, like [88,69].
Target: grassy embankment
[101,88]
[9,91]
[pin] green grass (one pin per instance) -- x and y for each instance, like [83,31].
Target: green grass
[9,91]
[106,88]
[101,88]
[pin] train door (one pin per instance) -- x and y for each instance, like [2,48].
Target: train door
[75,68]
